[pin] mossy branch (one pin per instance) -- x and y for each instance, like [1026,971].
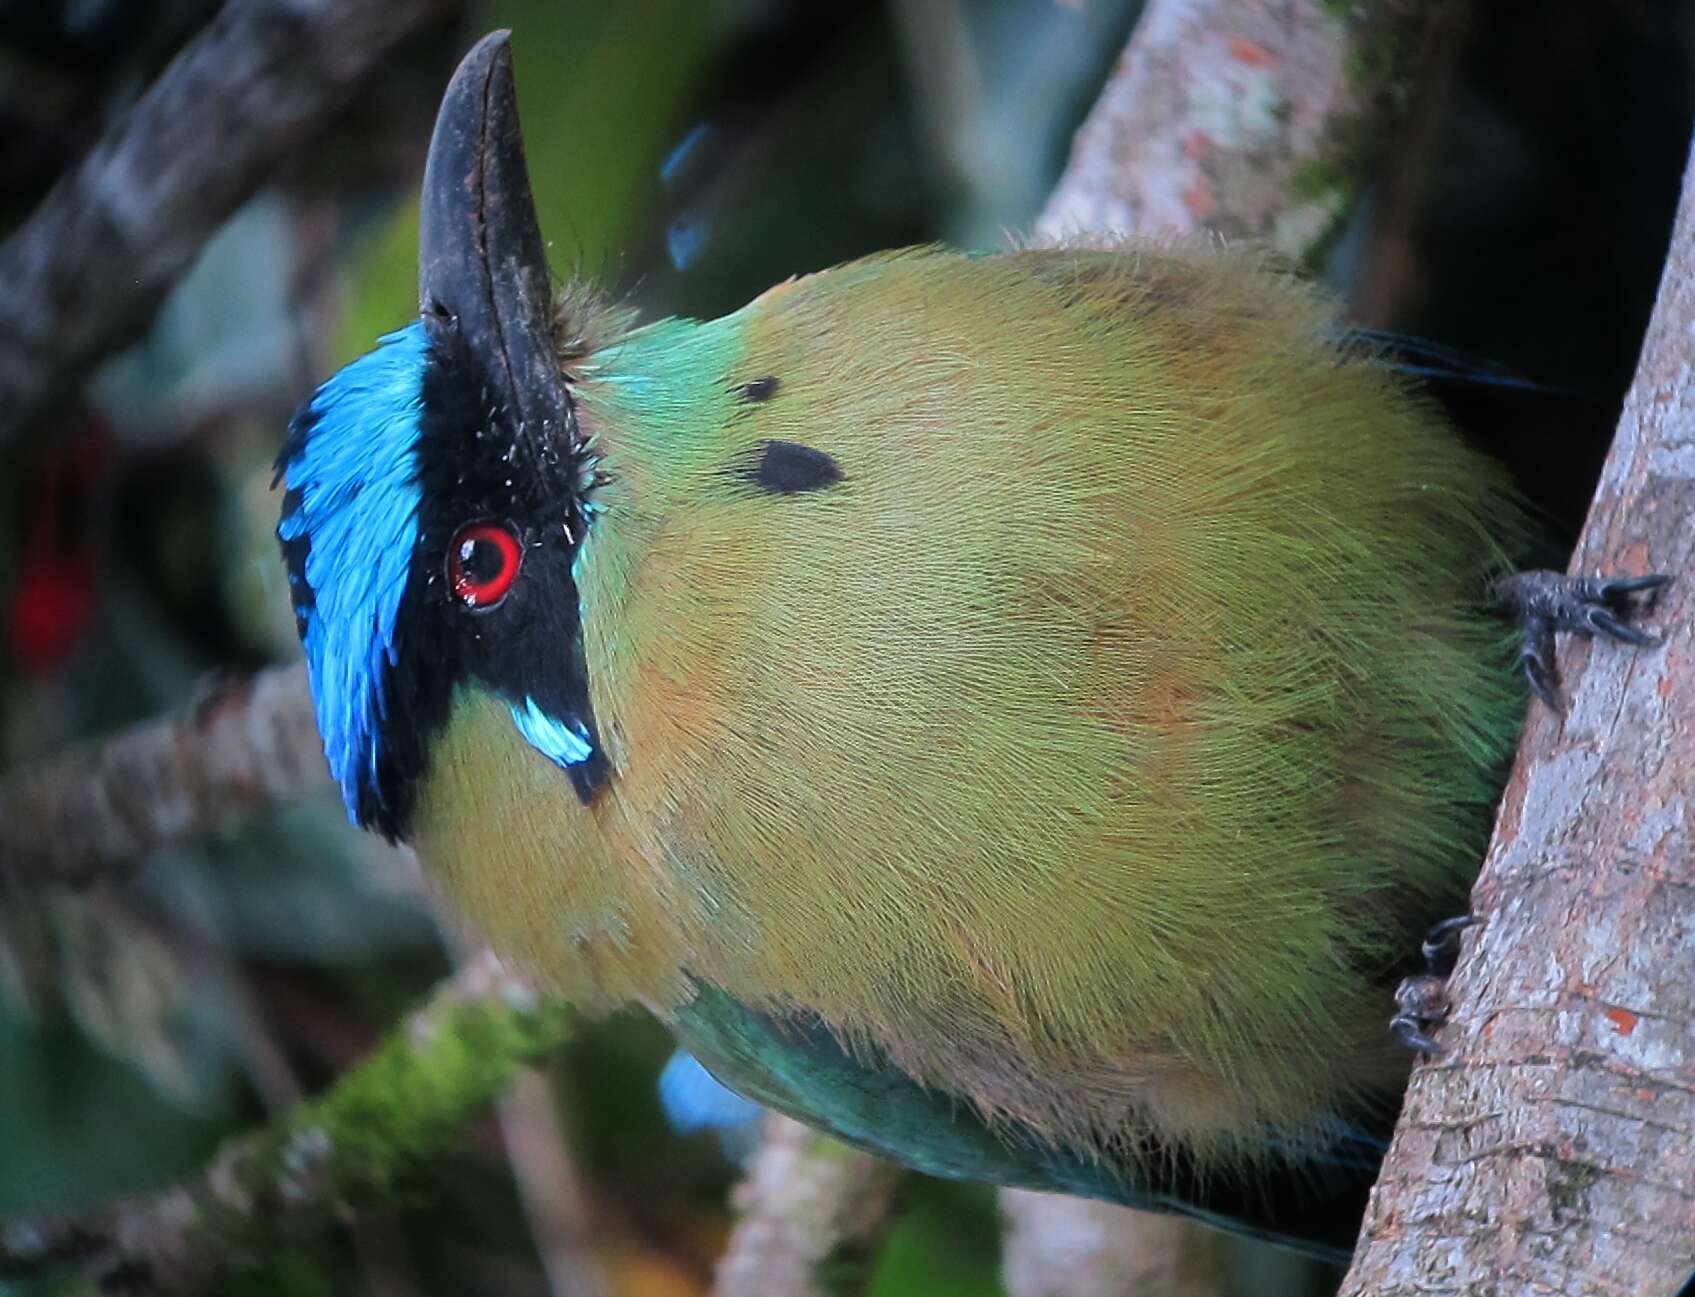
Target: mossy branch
[364,1141]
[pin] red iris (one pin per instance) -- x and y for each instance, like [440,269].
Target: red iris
[482,563]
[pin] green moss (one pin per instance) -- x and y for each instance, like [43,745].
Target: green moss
[395,1113]
[1322,179]
[1569,1182]
[1342,11]
[374,1133]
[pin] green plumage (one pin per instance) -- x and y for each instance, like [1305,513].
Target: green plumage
[1089,753]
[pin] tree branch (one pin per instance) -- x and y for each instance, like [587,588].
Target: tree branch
[289,1182]
[1552,1149]
[84,275]
[1256,122]
[246,746]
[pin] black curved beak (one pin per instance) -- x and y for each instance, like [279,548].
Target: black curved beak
[482,267]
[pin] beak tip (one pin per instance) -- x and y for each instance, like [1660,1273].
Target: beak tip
[488,57]
[479,104]
[482,265]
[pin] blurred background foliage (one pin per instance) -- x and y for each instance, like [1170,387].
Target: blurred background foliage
[686,153]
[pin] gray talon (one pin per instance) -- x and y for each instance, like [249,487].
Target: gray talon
[1422,1000]
[1410,1032]
[1546,602]
[1442,943]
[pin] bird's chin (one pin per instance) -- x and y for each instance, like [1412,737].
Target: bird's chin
[546,880]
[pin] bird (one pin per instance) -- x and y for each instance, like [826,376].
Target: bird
[1016,711]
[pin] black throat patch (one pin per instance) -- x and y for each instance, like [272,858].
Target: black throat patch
[474,466]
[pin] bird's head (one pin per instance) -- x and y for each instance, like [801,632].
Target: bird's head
[436,488]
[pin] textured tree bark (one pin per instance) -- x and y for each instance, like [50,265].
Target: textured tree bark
[84,275]
[1253,122]
[248,745]
[1552,1148]
[812,1213]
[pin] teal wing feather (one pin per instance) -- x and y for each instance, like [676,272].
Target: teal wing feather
[1310,1201]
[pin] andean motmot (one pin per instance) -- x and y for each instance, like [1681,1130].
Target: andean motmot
[1013,711]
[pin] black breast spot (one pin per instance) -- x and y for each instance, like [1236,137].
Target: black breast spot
[760,389]
[787,467]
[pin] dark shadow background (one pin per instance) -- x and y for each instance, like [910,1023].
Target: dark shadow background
[688,153]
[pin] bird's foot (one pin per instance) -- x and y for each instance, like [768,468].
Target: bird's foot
[1423,998]
[1546,602]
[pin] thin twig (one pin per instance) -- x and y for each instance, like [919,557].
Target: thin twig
[1071,1247]
[812,1214]
[538,1149]
[288,1182]
[84,275]
[1552,1148]
[248,745]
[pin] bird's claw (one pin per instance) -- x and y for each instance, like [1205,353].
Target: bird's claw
[1422,1000]
[1411,1030]
[1441,947]
[1547,602]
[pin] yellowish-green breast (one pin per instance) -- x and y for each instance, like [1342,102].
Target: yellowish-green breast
[1087,744]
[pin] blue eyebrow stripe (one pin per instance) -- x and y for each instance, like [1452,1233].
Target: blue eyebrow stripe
[566,744]
[348,530]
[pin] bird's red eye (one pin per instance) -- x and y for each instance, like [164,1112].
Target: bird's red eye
[482,563]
